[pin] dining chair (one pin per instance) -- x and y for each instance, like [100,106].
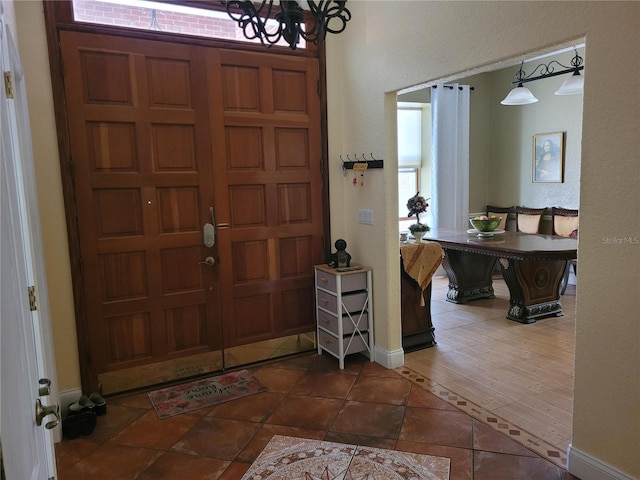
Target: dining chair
[565,224]
[501,212]
[504,224]
[528,219]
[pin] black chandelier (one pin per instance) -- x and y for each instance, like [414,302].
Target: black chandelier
[572,86]
[329,16]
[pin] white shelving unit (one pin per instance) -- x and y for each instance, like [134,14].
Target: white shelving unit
[344,311]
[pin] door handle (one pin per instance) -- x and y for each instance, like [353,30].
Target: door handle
[46,410]
[209,262]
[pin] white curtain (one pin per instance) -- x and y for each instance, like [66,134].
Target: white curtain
[449,203]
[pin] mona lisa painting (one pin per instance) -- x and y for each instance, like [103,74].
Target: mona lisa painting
[548,157]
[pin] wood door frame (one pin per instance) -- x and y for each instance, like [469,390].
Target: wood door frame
[58,17]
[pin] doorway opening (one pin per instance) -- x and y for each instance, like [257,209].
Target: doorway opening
[501,172]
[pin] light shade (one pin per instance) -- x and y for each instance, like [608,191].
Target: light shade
[574,85]
[519,96]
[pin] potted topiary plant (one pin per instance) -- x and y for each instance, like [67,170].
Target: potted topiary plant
[416,206]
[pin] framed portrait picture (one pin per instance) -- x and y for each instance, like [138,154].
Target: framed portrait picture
[548,157]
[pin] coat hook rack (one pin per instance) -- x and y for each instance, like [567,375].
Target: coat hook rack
[361,164]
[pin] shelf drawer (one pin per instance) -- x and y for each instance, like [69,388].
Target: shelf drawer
[349,283]
[351,303]
[330,322]
[331,343]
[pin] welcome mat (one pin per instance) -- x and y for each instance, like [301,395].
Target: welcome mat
[187,397]
[300,458]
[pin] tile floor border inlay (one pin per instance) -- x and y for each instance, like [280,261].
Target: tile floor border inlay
[517,434]
[287,457]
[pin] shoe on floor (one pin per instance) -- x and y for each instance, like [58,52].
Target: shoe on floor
[99,402]
[82,405]
[88,423]
[79,424]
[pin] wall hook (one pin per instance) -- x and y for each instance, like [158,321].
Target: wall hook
[368,164]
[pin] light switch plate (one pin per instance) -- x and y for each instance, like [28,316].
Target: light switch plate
[365,217]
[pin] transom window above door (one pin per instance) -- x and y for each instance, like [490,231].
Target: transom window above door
[164,17]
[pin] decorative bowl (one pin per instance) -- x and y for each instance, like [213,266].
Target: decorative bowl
[485,224]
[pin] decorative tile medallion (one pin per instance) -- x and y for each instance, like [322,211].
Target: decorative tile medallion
[517,434]
[291,458]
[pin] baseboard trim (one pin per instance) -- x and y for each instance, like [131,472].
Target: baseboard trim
[587,467]
[389,359]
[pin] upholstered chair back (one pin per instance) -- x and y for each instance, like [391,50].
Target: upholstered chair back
[528,219]
[500,212]
[565,221]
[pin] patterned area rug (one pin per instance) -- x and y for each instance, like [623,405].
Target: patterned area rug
[191,396]
[286,458]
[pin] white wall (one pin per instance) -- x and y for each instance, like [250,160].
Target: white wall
[390,46]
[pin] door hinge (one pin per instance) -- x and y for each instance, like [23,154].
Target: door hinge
[8,85]
[32,299]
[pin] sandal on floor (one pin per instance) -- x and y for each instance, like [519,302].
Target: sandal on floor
[99,402]
[82,405]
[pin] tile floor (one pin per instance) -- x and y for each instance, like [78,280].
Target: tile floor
[309,397]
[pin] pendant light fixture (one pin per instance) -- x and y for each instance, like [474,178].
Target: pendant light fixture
[574,85]
[266,22]
[519,95]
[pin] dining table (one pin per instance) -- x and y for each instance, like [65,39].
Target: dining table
[532,266]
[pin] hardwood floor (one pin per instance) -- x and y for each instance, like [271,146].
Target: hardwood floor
[519,373]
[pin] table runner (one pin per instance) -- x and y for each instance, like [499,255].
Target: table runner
[421,260]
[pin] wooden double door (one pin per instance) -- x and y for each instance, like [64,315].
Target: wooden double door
[166,139]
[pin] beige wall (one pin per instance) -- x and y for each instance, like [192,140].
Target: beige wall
[511,139]
[500,144]
[366,65]
[372,59]
[32,45]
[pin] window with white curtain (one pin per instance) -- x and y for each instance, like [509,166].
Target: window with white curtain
[408,181]
[413,147]
[409,137]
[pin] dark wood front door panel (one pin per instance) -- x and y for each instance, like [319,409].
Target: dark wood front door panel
[165,138]
[265,113]
[139,136]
